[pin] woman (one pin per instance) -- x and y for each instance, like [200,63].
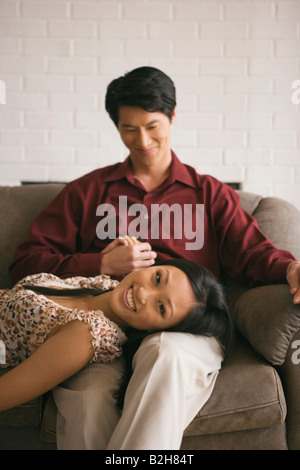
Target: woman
[56,332]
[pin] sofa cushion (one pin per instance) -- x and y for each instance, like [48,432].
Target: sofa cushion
[19,206]
[280,222]
[272,308]
[249,201]
[248,395]
[252,439]
[26,415]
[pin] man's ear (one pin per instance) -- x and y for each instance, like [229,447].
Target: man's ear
[173,116]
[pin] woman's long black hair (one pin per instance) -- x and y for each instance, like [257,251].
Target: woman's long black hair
[210,317]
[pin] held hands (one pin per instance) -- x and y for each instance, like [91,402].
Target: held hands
[126,254]
[293,278]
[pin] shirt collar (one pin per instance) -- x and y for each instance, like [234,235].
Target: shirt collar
[120,171]
[179,172]
[182,173]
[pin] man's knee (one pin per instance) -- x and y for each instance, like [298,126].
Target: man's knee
[163,346]
[181,348]
[172,342]
[159,342]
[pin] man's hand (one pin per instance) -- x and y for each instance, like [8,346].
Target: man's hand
[293,278]
[126,254]
[120,241]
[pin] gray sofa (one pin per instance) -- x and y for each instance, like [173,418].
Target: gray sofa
[256,400]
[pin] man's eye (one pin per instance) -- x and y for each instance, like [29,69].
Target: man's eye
[162,309]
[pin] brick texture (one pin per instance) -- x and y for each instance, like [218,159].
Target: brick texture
[233,63]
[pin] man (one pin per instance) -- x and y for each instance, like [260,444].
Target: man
[178,213]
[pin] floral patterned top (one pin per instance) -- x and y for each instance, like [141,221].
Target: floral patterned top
[27,317]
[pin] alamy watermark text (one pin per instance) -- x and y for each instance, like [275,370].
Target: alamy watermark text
[175,221]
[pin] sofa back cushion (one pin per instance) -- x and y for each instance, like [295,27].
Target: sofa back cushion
[19,206]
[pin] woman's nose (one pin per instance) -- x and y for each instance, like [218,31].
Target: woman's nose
[142,295]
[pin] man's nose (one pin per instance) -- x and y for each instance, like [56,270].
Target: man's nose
[143,139]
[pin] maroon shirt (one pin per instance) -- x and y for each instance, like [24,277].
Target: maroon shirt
[63,238]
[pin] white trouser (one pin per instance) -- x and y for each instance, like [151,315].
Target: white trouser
[174,375]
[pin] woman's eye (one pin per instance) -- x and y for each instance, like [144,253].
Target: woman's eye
[162,309]
[161,306]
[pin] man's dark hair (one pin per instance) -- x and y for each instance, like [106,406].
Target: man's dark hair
[145,87]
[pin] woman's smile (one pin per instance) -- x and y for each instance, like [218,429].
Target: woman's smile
[128,299]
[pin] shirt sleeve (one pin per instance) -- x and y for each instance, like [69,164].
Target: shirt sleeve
[244,251]
[107,336]
[54,243]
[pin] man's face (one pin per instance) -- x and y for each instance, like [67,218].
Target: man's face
[146,135]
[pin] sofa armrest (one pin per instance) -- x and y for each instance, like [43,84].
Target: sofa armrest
[269,320]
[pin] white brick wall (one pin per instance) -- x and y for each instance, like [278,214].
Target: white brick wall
[233,63]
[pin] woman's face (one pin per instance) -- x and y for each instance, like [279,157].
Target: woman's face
[154,298]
